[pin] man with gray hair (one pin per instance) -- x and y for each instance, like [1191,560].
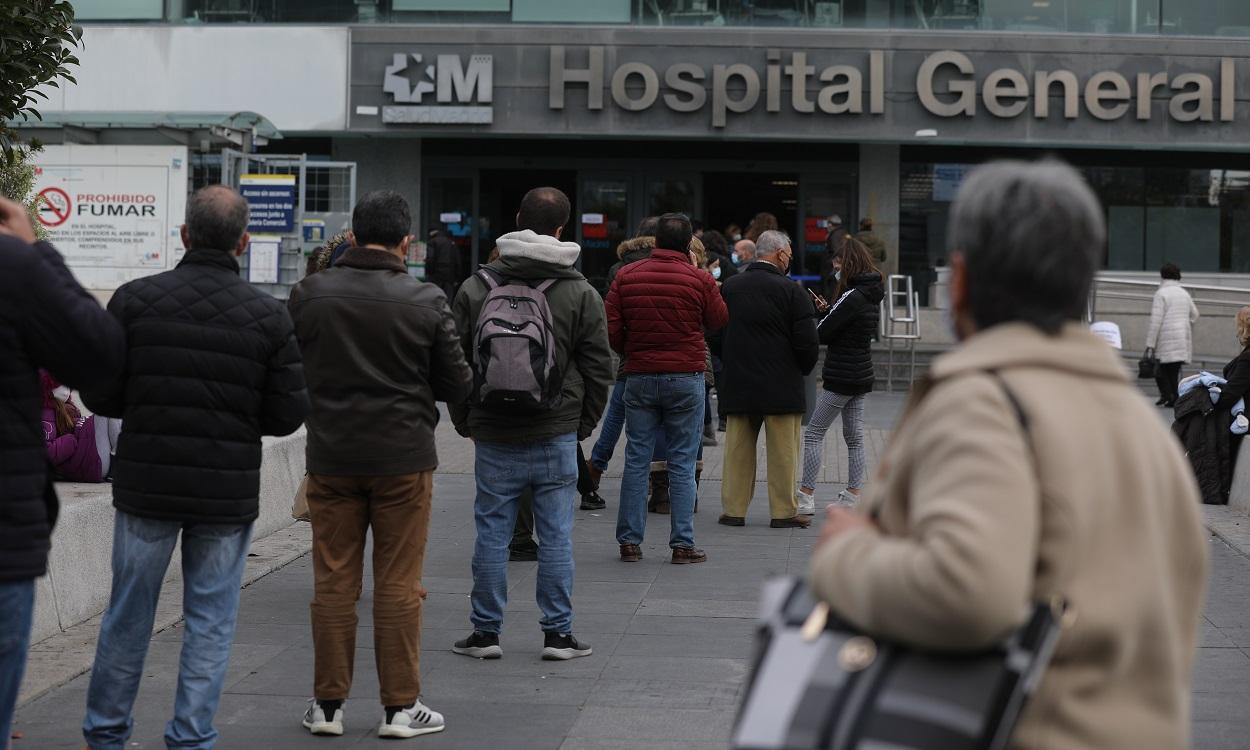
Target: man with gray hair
[769,346]
[743,252]
[212,365]
[1032,470]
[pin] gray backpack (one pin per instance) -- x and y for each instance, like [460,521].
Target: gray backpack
[514,347]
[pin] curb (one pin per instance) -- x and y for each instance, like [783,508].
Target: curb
[55,661]
[1230,526]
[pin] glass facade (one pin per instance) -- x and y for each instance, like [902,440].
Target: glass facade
[1181,17]
[1189,209]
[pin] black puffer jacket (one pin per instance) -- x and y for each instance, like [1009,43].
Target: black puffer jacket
[1204,431]
[46,320]
[630,251]
[847,329]
[769,345]
[213,365]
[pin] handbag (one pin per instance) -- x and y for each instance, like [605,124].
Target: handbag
[1148,365]
[818,683]
[299,506]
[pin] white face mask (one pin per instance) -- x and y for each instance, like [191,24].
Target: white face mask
[61,393]
[837,275]
[716,273]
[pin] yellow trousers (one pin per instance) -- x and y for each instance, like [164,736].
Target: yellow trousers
[782,444]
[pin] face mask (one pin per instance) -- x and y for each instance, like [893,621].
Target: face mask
[736,260]
[61,393]
[716,273]
[735,236]
[837,275]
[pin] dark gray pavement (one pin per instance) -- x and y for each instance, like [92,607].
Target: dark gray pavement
[671,643]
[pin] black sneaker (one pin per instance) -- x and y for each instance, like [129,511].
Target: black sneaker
[480,645]
[563,646]
[592,501]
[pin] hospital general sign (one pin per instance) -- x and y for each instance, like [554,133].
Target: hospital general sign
[1069,92]
[948,84]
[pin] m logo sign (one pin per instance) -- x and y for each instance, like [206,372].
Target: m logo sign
[443,91]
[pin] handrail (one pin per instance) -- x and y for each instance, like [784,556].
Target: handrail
[1197,300]
[1155,284]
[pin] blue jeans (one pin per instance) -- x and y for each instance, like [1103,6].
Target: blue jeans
[610,435]
[212,570]
[675,403]
[504,471]
[17,604]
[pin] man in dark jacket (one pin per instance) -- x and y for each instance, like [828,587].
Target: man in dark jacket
[380,347]
[442,263]
[46,320]
[872,241]
[657,311]
[212,366]
[769,346]
[535,450]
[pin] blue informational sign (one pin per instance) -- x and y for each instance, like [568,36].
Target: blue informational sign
[271,198]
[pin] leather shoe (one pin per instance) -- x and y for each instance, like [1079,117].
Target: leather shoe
[726,520]
[797,522]
[631,553]
[688,555]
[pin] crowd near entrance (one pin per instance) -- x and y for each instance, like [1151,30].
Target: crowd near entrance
[471,190]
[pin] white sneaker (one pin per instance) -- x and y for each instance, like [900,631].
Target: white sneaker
[414,721]
[846,500]
[807,503]
[315,720]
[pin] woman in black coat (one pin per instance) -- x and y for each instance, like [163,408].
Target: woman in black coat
[847,328]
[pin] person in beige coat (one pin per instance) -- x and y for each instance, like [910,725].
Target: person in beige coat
[977,513]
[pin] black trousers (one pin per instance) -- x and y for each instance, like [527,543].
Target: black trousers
[1167,377]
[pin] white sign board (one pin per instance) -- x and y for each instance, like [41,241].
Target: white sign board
[114,212]
[262,261]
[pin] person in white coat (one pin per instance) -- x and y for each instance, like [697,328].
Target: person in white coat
[1172,316]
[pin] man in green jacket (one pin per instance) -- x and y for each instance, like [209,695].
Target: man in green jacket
[533,450]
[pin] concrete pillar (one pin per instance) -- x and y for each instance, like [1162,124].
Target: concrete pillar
[878,195]
[386,164]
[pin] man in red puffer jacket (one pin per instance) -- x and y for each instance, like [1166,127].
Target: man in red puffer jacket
[658,309]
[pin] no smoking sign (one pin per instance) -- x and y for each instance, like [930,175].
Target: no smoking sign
[54,207]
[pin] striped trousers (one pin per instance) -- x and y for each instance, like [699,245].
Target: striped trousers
[828,406]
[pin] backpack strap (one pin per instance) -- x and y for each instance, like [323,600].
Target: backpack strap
[544,286]
[488,277]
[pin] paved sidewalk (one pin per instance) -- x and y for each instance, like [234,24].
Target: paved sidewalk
[671,642]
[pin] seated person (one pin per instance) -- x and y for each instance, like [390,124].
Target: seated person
[80,448]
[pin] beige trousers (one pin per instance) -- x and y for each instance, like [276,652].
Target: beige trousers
[782,443]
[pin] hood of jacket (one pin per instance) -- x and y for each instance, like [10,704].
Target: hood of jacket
[1074,349]
[635,249]
[871,285]
[529,245]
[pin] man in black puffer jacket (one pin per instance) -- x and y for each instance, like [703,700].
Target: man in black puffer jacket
[46,320]
[212,366]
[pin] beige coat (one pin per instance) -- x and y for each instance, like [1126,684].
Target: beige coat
[1097,504]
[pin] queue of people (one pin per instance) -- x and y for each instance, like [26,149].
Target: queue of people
[1008,477]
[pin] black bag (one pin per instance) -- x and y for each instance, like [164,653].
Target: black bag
[1148,365]
[818,684]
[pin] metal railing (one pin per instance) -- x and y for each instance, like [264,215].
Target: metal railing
[1131,284]
[900,322]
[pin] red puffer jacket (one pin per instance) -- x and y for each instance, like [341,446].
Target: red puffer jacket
[657,311]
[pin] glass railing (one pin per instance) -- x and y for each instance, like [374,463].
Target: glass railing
[1180,17]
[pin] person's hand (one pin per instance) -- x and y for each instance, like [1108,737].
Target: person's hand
[14,221]
[822,304]
[839,520]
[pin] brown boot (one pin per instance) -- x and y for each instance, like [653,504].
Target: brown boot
[797,522]
[659,493]
[631,553]
[688,555]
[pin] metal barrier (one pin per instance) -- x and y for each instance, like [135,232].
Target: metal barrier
[900,322]
[325,195]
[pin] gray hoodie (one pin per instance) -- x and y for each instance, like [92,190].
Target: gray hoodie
[582,351]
